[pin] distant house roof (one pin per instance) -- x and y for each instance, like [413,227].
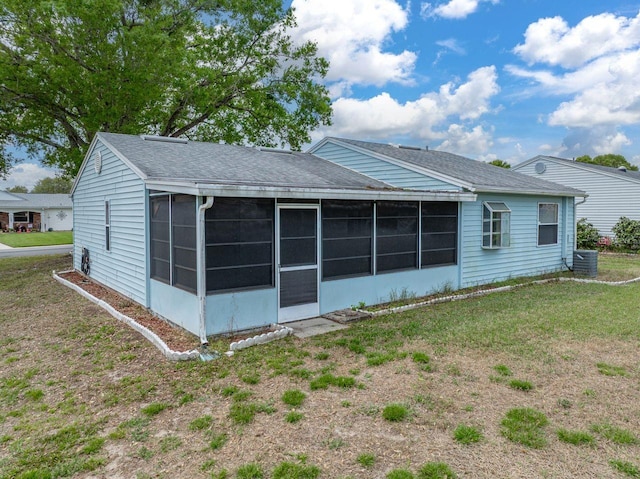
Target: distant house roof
[619,172]
[473,175]
[34,201]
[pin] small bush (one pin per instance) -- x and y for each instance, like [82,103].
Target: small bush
[587,236]
[293,397]
[525,426]
[577,438]
[627,234]
[436,470]
[395,412]
[467,434]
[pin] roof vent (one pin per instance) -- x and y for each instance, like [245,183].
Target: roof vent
[405,147]
[622,168]
[274,150]
[165,139]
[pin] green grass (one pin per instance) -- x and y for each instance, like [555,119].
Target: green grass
[250,471]
[366,459]
[292,470]
[435,470]
[611,370]
[467,434]
[520,385]
[400,474]
[395,412]
[577,438]
[293,417]
[615,434]
[293,397]
[625,467]
[48,238]
[525,426]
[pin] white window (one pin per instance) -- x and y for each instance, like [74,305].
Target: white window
[496,225]
[547,223]
[107,225]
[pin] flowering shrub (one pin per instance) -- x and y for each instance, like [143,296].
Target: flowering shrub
[627,234]
[605,242]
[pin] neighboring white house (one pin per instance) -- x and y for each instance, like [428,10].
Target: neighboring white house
[36,211]
[612,192]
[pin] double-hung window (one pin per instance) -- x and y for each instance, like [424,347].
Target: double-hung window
[547,223]
[496,225]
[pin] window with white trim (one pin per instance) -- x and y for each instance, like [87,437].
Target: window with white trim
[496,225]
[547,223]
[107,225]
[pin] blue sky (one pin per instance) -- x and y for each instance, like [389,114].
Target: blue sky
[487,79]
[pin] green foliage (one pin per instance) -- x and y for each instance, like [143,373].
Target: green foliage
[293,397]
[615,434]
[423,360]
[250,471]
[467,434]
[154,409]
[293,417]
[366,459]
[326,380]
[577,438]
[502,370]
[611,160]
[525,426]
[611,370]
[14,189]
[625,467]
[520,385]
[587,235]
[400,474]
[58,184]
[500,163]
[215,71]
[395,412]
[291,470]
[627,234]
[435,470]
[217,441]
[201,423]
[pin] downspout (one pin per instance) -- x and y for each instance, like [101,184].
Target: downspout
[201,259]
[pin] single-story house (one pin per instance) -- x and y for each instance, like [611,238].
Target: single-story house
[219,238]
[35,211]
[613,192]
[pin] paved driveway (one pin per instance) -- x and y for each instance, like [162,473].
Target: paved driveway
[8,252]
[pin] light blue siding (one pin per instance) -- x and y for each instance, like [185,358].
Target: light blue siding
[524,257]
[610,196]
[241,310]
[344,293]
[123,268]
[176,305]
[381,170]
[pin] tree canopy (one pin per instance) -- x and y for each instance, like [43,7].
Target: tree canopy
[18,189]
[609,159]
[500,163]
[209,70]
[58,184]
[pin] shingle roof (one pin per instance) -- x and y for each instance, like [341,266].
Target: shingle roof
[482,177]
[214,163]
[36,201]
[635,175]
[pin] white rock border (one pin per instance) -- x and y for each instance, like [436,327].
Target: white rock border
[484,292]
[279,333]
[147,333]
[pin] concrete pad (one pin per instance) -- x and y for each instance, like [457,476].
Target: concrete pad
[4,246]
[313,326]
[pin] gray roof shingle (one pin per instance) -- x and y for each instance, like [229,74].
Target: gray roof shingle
[483,177]
[214,163]
[36,201]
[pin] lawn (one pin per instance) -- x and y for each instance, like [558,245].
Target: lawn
[540,381]
[48,238]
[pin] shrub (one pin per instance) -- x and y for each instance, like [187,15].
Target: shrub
[587,236]
[627,234]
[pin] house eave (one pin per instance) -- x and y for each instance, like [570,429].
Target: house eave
[489,189]
[207,189]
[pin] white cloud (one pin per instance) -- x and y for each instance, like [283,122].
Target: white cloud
[353,36]
[466,142]
[593,141]
[26,174]
[453,9]
[428,118]
[552,41]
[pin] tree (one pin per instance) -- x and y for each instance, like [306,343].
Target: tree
[500,163]
[17,189]
[609,159]
[58,184]
[208,70]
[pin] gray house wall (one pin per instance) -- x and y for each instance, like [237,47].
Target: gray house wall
[611,196]
[123,268]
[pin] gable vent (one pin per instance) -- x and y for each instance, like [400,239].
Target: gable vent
[165,139]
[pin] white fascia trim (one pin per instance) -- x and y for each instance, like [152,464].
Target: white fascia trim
[197,189]
[531,192]
[403,164]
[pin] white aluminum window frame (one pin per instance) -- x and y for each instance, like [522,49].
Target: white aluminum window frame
[556,223]
[498,211]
